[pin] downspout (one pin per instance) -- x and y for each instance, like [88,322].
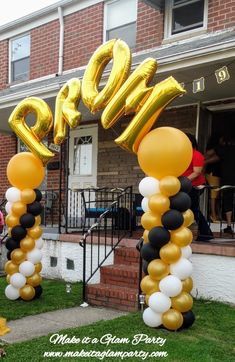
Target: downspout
[61,41]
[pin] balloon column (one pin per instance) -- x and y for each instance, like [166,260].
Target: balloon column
[25,173]
[164,154]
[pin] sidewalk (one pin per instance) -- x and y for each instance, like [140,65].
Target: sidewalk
[52,322]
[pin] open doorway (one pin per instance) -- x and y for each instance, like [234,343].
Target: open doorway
[223,123]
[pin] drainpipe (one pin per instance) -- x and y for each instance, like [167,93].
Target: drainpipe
[61,41]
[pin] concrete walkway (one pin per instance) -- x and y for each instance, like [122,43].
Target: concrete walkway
[52,322]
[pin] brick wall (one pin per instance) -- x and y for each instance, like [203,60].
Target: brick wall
[3,64]
[8,150]
[221,14]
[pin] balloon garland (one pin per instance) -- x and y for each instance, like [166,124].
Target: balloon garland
[25,172]
[163,155]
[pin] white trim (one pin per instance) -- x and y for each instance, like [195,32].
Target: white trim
[61,40]
[221,107]
[197,120]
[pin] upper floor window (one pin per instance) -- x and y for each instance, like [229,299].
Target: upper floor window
[184,16]
[120,21]
[19,57]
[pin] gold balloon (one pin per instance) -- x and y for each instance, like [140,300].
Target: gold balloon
[159,203]
[38,267]
[145,236]
[157,269]
[170,253]
[182,302]
[117,50]
[18,208]
[18,256]
[37,220]
[28,196]
[8,277]
[34,280]
[150,220]
[147,296]
[35,232]
[182,236]
[187,284]
[27,292]
[148,285]
[31,136]
[11,268]
[27,244]
[165,151]
[67,101]
[169,185]
[12,220]
[9,231]
[172,319]
[25,170]
[188,218]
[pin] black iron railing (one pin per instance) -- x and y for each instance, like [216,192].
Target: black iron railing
[102,237]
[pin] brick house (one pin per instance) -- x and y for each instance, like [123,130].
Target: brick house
[191,40]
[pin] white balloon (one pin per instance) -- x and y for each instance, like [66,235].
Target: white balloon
[145,204]
[186,252]
[11,292]
[8,207]
[149,186]
[13,194]
[159,302]
[39,243]
[35,256]
[18,280]
[27,268]
[182,269]
[170,286]
[151,318]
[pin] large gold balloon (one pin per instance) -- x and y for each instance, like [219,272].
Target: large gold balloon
[37,220]
[165,151]
[12,220]
[187,284]
[169,185]
[18,208]
[25,170]
[28,196]
[172,319]
[18,256]
[38,267]
[182,302]
[117,50]
[182,236]
[150,220]
[170,253]
[34,280]
[145,236]
[188,217]
[157,269]
[35,232]
[27,292]
[11,268]
[147,296]
[159,203]
[31,136]
[148,285]
[27,244]
[67,101]
[8,277]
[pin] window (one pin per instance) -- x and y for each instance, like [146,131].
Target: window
[53,261]
[120,21]
[70,264]
[82,164]
[184,16]
[19,55]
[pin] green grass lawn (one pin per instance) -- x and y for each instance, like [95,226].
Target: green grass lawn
[54,297]
[211,338]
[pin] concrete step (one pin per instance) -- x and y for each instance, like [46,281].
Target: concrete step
[120,274]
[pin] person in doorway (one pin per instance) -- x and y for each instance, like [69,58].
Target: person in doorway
[195,174]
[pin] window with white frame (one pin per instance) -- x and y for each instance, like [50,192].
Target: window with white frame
[120,21]
[185,16]
[19,58]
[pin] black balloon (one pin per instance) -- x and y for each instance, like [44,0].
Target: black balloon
[149,253]
[145,266]
[38,291]
[18,233]
[11,244]
[189,319]
[172,219]
[35,208]
[186,184]
[38,195]
[27,220]
[158,236]
[181,201]
[9,255]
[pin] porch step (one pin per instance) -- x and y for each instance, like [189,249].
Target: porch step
[126,255]
[120,274]
[112,296]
